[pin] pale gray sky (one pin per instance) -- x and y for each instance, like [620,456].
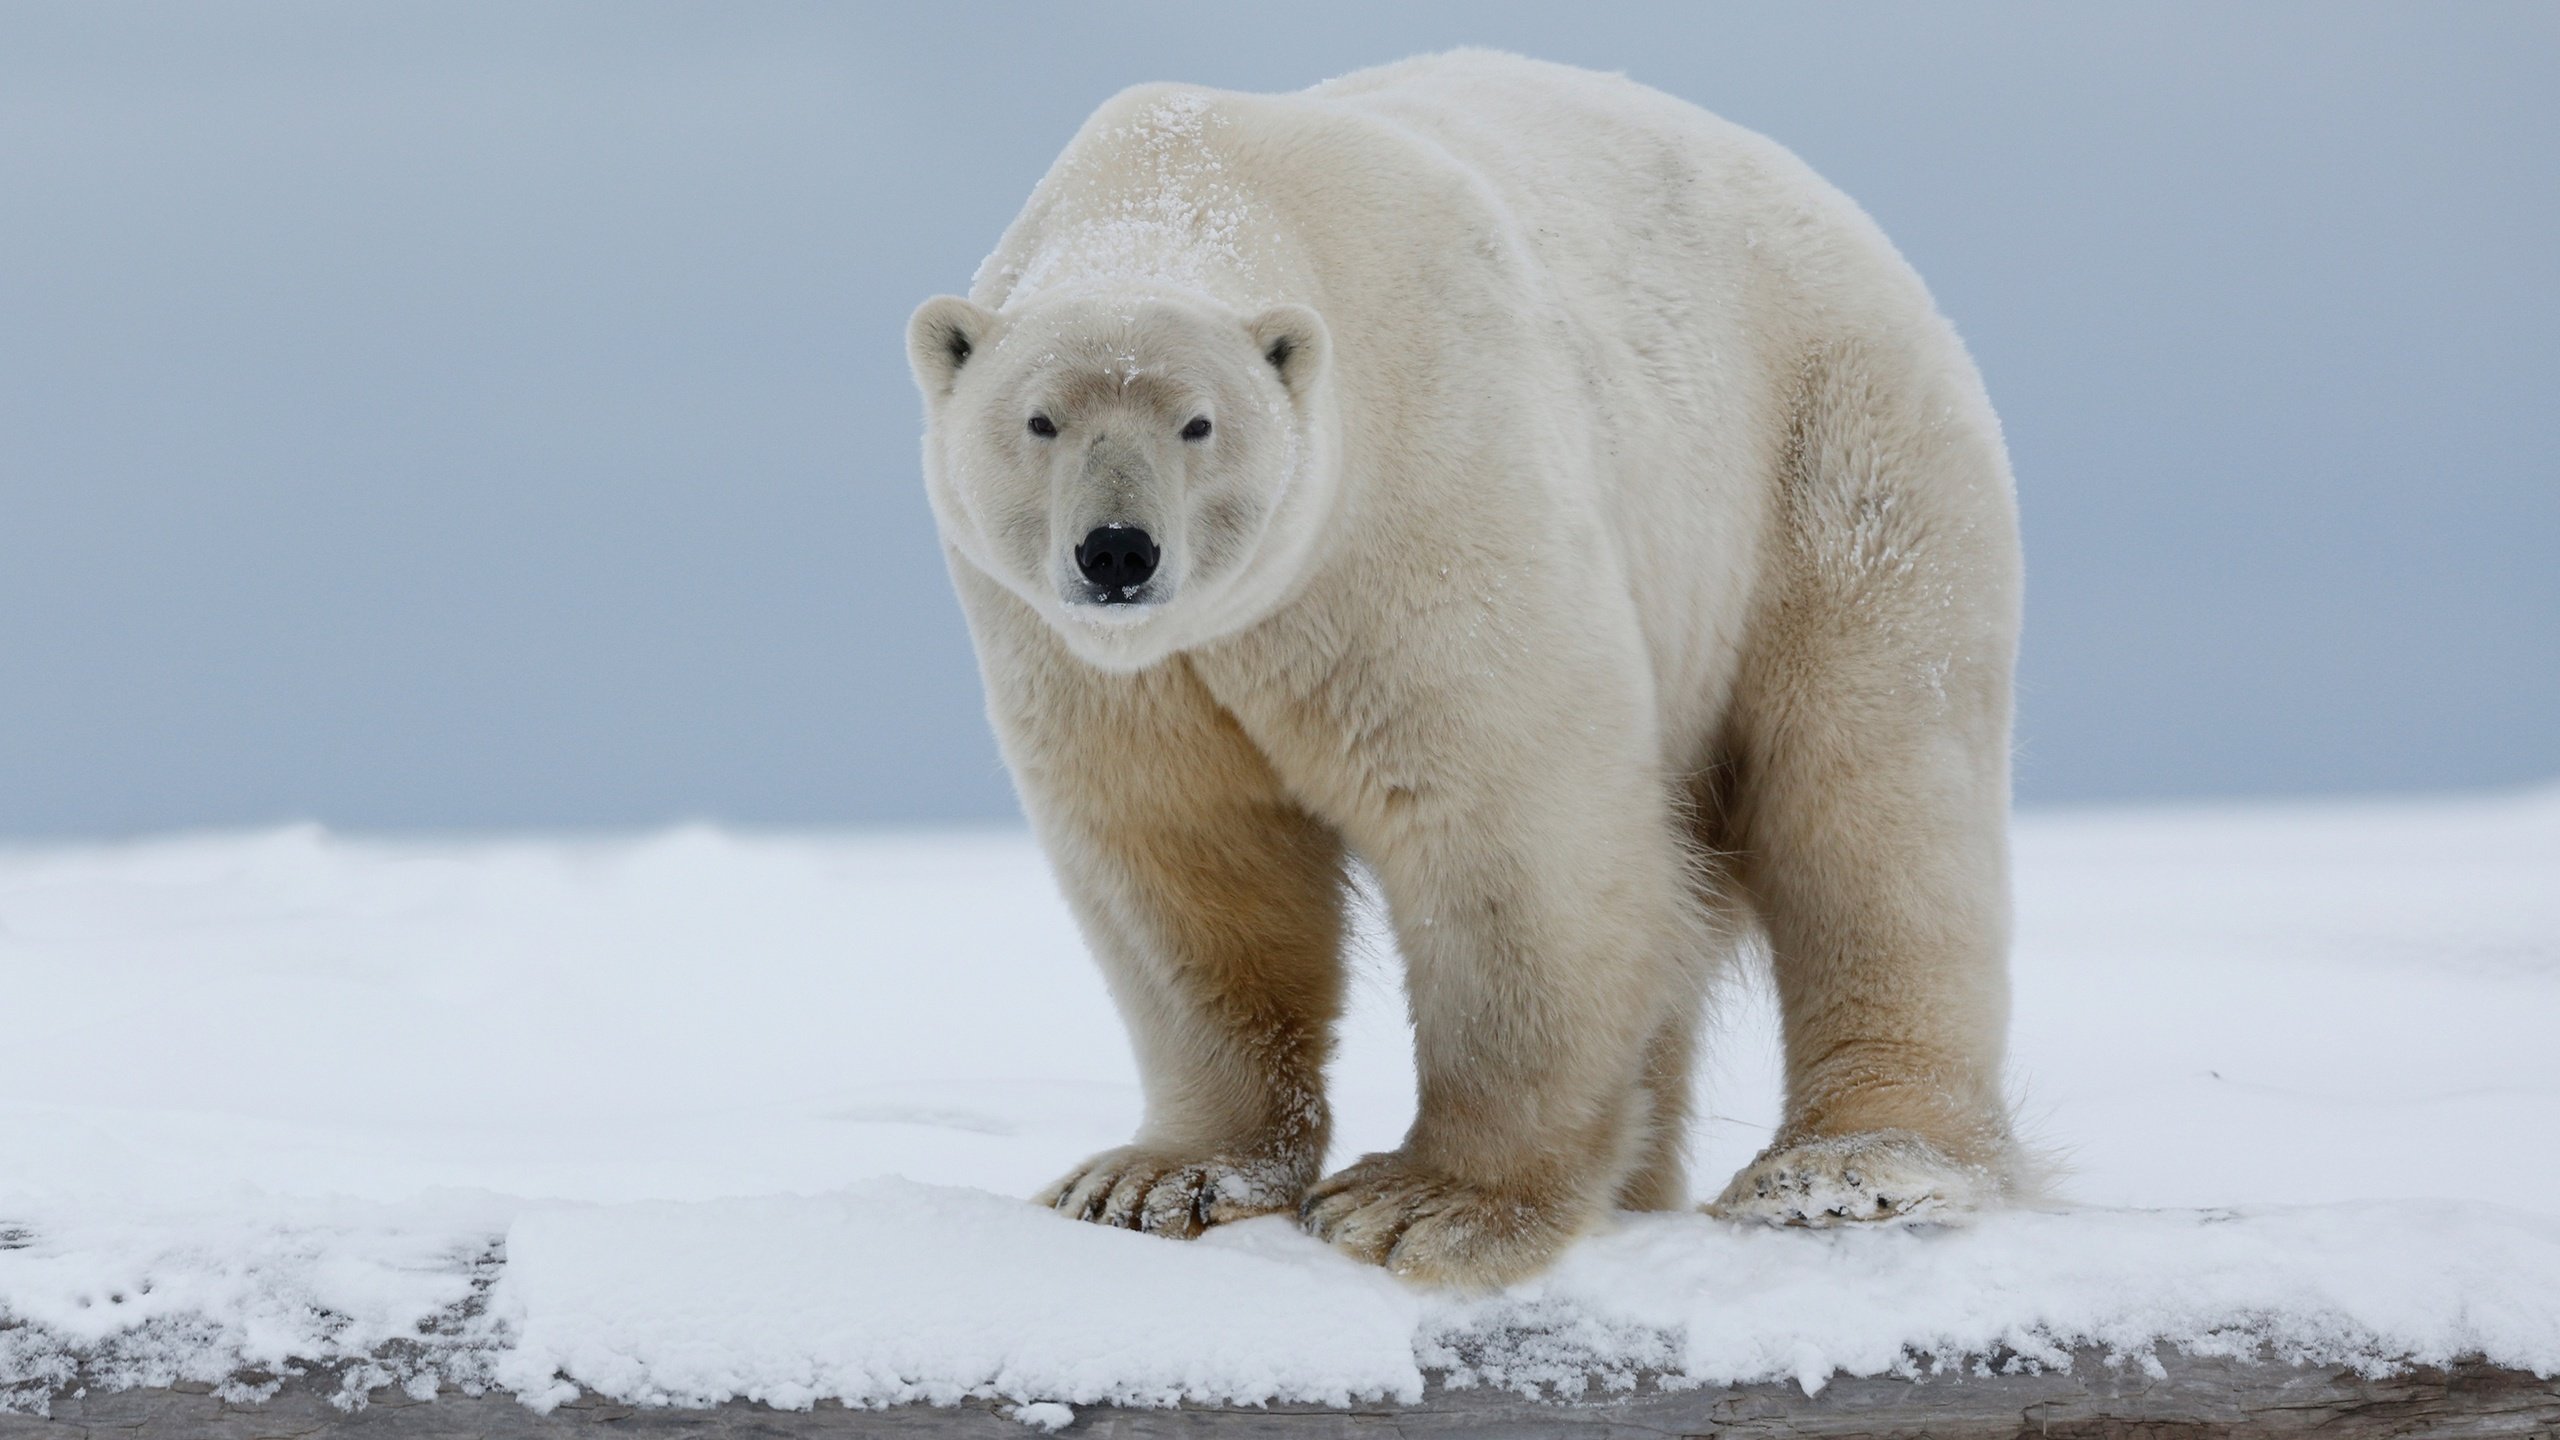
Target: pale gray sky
[494,415]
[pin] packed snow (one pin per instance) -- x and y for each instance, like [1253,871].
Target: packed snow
[701,1115]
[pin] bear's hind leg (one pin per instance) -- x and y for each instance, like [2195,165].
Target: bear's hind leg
[1660,1180]
[1885,907]
[1870,805]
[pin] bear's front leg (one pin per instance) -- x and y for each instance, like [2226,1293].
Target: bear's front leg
[1217,919]
[1545,948]
[1215,907]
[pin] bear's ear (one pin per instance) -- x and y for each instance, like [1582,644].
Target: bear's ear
[941,337]
[1292,338]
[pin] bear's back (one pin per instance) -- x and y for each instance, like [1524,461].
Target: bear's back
[1613,187]
[1548,135]
[1654,218]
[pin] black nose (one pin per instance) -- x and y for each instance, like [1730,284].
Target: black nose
[1116,560]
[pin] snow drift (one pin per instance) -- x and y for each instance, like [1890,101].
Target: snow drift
[701,1116]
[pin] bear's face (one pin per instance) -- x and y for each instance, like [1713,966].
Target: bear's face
[1144,471]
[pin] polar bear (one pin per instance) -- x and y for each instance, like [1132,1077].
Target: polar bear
[1567,505]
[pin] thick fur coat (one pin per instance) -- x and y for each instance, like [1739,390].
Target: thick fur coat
[1565,503]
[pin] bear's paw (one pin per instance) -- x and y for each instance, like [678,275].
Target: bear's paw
[1878,1177]
[1166,1193]
[1435,1229]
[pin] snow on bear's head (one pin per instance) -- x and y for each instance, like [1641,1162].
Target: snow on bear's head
[1145,469]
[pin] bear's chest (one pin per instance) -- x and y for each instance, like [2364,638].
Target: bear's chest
[1342,725]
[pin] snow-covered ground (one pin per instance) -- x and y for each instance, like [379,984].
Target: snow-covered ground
[702,1115]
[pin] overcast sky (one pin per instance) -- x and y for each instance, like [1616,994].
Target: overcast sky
[482,416]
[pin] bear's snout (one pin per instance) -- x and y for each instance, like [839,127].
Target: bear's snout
[1115,560]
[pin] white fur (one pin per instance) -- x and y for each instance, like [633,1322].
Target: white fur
[1621,550]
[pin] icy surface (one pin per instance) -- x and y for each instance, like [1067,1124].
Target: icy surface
[699,1115]
[897,1291]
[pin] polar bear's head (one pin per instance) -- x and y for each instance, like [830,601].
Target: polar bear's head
[1147,471]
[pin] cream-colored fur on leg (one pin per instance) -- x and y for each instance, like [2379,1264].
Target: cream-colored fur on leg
[1569,505]
[1872,746]
[1215,904]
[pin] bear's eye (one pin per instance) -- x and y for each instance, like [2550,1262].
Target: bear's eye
[1043,426]
[1198,429]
